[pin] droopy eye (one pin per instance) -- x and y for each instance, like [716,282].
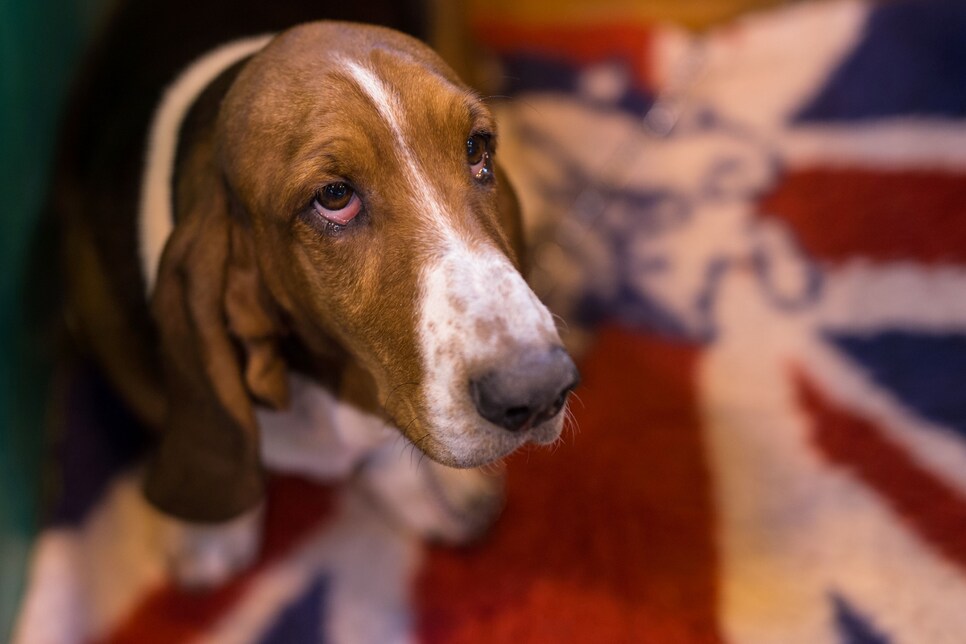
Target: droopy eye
[337,202]
[479,157]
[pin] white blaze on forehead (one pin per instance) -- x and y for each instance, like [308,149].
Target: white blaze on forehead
[476,311]
[392,113]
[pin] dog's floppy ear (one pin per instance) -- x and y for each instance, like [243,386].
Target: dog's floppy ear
[510,219]
[218,337]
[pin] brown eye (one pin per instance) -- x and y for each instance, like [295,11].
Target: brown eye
[475,149]
[337,203]
[478,156]
[335,196]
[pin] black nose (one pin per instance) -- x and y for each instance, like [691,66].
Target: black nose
[529,390]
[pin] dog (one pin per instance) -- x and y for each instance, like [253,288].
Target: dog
[329,257]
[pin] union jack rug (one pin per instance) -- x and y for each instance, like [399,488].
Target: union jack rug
[761,231]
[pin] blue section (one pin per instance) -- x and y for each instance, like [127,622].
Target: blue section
[533,73]
[911,60]
[927,372]
[530,73]
[98,439]
[302,620]
[854,627]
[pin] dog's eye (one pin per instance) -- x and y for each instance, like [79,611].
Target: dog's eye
[335,196]
[337,202]
[479,157]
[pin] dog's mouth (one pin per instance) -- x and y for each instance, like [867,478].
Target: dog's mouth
[483,432]
[486,444]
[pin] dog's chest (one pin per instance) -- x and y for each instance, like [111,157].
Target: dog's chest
[319,435]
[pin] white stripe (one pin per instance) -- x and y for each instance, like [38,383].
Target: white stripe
[155,216]
[482,279]
[391,112]
[888,144]
[862,296]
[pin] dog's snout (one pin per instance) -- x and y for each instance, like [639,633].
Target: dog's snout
[525,392]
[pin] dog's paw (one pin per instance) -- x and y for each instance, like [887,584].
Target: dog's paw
[203,556]
[438,502]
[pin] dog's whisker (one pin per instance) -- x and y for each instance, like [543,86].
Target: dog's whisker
[416,444]
[494,468]
[402,443]
[572,432]
[412,453]
[404,440]
[570,421]
[530,106]
[562,322]
[389,415]
[395,389]
[578,399]
[555,445]
[413,446]
[422,452]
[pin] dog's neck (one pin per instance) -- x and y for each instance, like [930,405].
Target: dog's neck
[335,369]
[156,209]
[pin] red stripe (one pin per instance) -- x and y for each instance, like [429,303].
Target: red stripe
[606,539]
[841,214]
[294,508]
[934,509]
[577,44]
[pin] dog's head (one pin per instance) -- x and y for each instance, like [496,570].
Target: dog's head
[357,197]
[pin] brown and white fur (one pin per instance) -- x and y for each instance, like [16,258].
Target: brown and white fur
[310,338]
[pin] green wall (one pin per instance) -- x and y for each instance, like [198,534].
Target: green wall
[40,42]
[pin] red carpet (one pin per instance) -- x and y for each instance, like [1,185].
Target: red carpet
[607,538]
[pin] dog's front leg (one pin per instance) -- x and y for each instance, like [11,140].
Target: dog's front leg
[202,556]
[437,502]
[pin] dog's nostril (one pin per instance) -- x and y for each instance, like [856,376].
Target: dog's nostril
[516,417]
[530,390]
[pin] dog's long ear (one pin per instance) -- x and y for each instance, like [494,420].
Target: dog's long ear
[511,219]
[218,339]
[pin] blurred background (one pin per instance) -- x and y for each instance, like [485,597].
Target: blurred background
[42,43]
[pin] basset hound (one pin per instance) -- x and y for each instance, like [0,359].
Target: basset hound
[330,258]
